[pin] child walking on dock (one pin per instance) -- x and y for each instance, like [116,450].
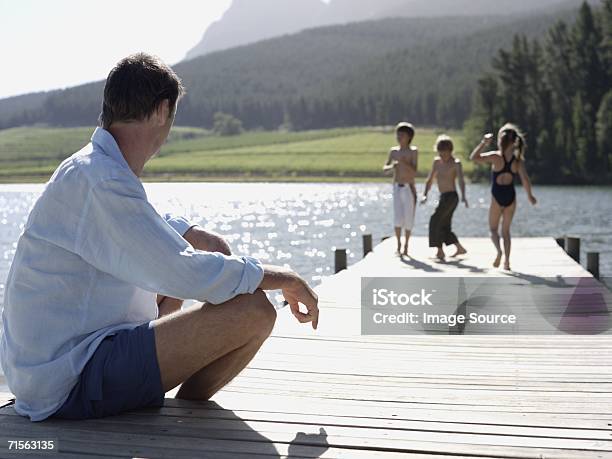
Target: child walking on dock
[446,169]
[403,161]
[506,162]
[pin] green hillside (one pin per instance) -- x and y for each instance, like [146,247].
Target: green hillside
[369,73]
[31,154]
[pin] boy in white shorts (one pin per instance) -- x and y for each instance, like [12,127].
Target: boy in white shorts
[403,161]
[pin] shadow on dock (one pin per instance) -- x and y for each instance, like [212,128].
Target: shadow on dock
[417,264]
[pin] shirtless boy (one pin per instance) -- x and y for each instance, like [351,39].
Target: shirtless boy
[446,169]
[403,161]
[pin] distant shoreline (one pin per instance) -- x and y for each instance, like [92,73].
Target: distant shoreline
[272,179]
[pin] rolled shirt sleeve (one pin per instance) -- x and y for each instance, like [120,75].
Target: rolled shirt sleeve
[180,224]
[121,234]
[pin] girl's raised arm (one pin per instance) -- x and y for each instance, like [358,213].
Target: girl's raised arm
[478,156]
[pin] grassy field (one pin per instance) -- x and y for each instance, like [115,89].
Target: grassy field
[31,154]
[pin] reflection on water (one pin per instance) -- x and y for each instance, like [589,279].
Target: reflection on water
[300,224]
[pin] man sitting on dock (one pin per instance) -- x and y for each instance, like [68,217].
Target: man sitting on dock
[84,334]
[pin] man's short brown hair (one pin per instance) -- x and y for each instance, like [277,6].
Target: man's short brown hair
[136,86]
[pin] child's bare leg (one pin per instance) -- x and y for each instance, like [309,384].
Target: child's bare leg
[398,236]
[407,236]
[440,255]
[495,212]
[460,250]
[508,214]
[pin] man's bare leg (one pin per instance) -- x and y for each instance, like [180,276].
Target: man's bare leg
[206,382]
[206,346]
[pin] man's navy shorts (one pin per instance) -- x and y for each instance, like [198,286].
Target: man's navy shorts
[122,374]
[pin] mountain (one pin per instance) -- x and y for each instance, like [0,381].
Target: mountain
[249,21]
[372,72]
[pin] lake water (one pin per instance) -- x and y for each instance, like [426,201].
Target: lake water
[301,224]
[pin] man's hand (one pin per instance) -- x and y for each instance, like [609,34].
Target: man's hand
[295,290]
[300,292]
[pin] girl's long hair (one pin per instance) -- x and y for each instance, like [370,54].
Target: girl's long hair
[514,136]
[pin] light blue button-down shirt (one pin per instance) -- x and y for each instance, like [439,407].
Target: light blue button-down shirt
[91,258]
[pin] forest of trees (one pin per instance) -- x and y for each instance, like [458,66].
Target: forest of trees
[370,73]
[559,91]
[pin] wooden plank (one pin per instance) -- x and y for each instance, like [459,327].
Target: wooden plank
[6,398]
[230,420]
[138,441]
[278,405]
[337,394]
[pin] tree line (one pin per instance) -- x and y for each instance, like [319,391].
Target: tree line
[363,74]
[559,91]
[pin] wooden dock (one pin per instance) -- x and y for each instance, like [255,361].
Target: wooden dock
[338,394]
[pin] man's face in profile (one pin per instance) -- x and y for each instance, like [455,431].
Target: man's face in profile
[164,131]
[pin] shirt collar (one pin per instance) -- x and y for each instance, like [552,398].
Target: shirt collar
[105,141]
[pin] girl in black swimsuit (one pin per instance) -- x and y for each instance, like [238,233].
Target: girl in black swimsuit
[504,194]
[506,164]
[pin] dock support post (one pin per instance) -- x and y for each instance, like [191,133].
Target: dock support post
[572,247]
[339,260]
[367,244]
[593,264]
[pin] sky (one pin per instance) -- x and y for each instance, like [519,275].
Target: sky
[49,44]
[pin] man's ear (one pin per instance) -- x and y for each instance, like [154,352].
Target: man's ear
[162,113]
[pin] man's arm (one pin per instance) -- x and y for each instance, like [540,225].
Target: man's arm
[121,234]
[207,241]
[199,239]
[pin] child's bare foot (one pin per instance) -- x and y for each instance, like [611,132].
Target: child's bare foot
[440,255]
[497,261]
[507,265]
[406,250]
[460,251]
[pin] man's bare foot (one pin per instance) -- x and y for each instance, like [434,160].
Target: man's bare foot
[460,251]
[497,261]
[405,250]
[440,255]
[507,265]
